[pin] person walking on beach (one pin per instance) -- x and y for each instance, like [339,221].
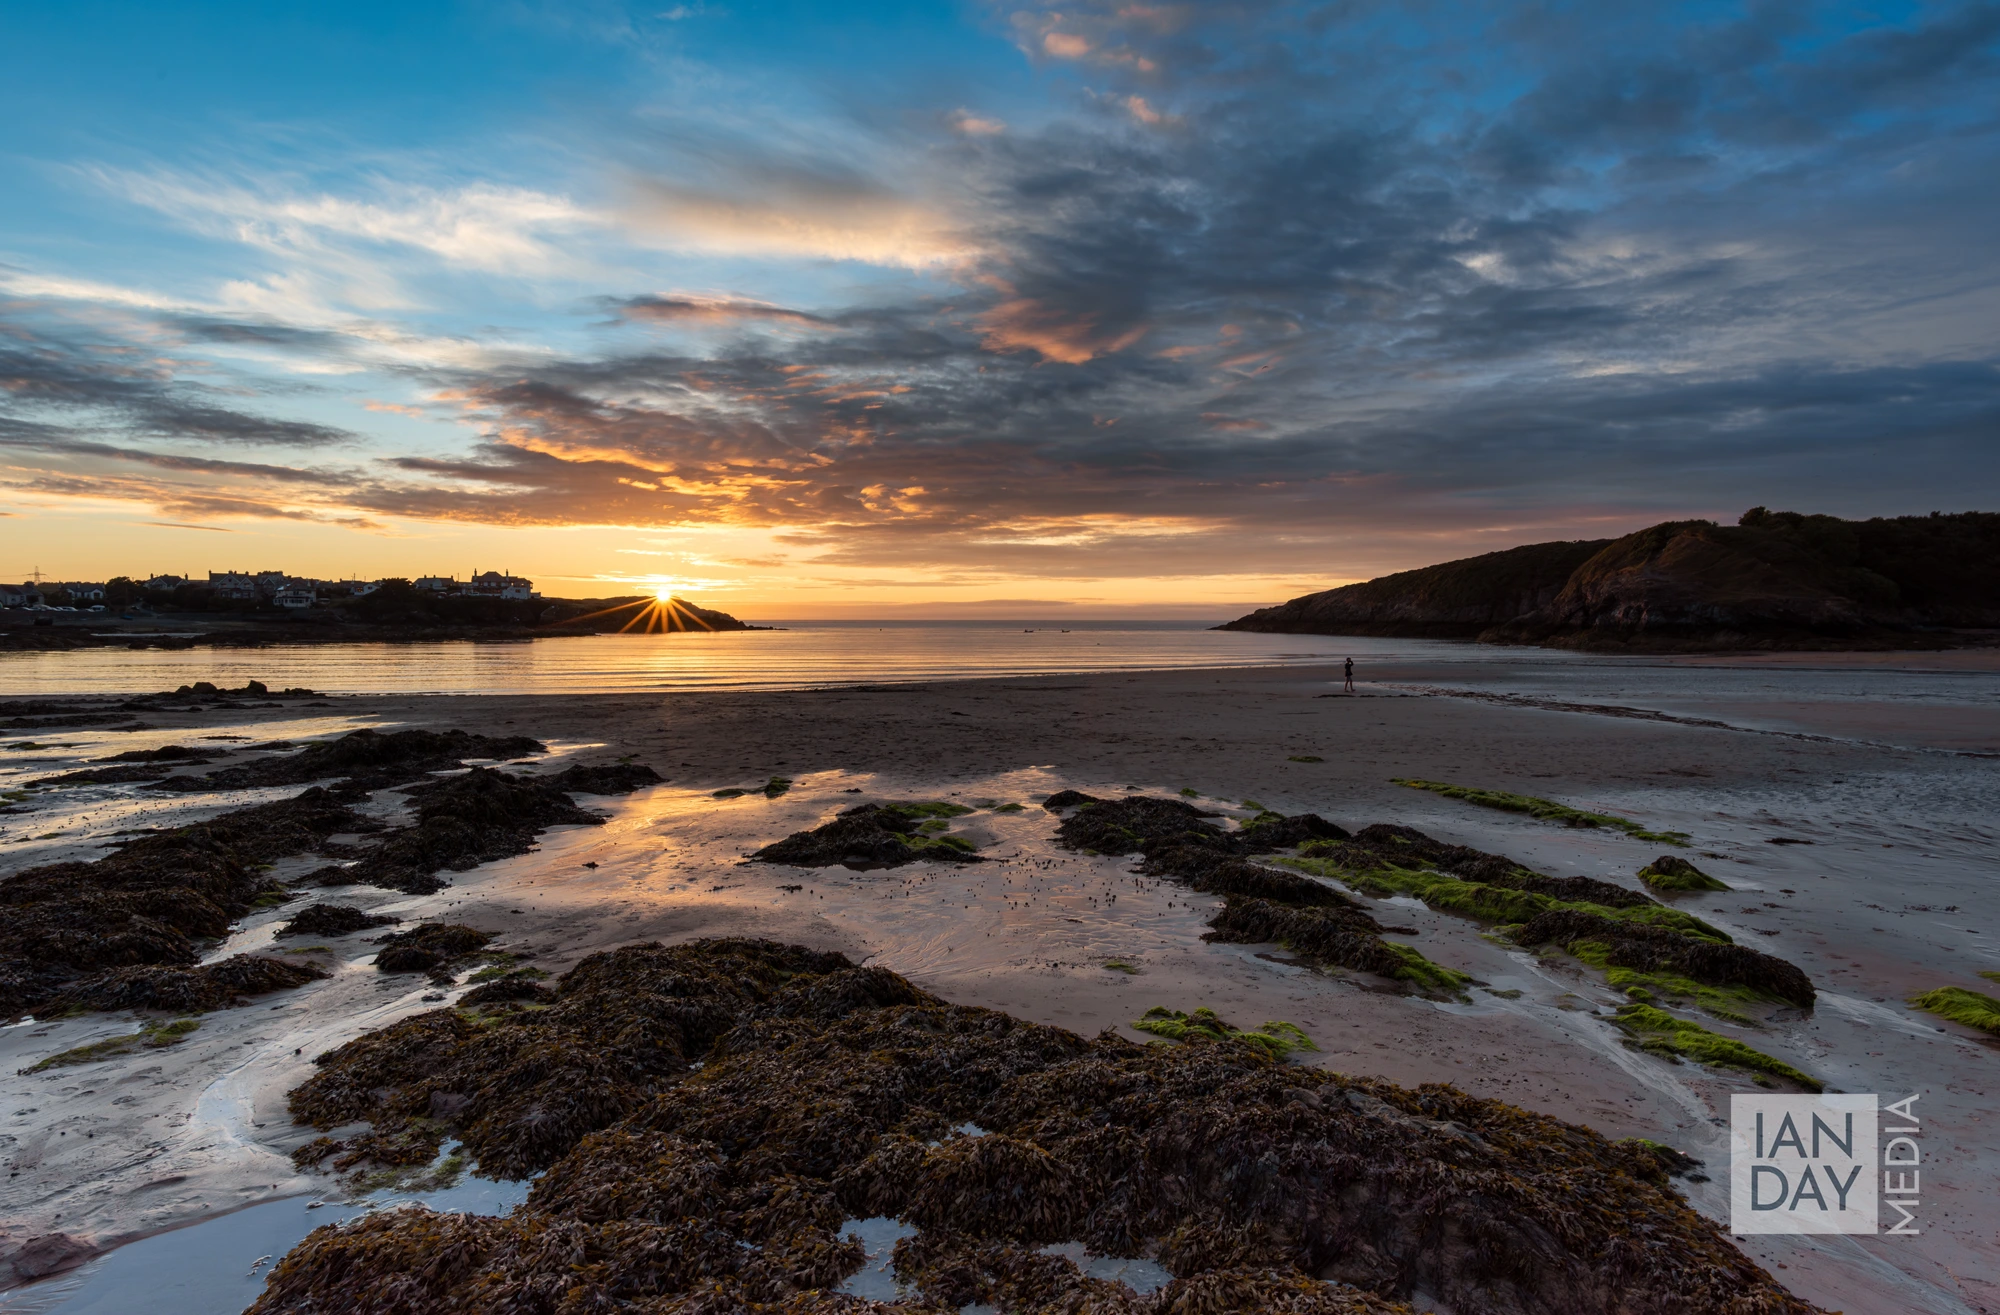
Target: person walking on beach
[1350,676]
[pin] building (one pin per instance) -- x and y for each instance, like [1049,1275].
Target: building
[294,599]
[270,583]
[82,593]
[237,585]
[437,584]
[19,595]
[166,582]
[495,584]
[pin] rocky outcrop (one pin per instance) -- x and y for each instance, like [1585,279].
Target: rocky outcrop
[1773,580]
[1454,600]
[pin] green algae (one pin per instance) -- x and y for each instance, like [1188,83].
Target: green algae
[930,809]
[1120,966]
[1726,1002]
[1660,1033]
[1011,808]
[1426,975]
[1972,1008]
[1189,792]
[1485,903]
[1279,1039]
[776,786]
[731,793]
[1674,876]
[150,1036]
[1546,810]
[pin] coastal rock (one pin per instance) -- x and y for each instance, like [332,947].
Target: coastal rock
[1775,579]
[370,760]
[706,1117]
[149,902]
[330,920]
[48,1255]
[874,836]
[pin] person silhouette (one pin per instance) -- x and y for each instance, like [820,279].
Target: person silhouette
[1350,677]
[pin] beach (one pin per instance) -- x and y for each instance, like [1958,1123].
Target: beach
[1854,832]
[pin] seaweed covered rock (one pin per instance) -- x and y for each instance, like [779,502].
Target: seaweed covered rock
[1383,844]
[1675,876]
[708,1115]
[509,988]
[475,817]
[871,836]
[368,759]
[1648,949]
[604,778]
[1330,937]
[151,900]
[331,920]
[187,990]
[1261,904]
[429,946]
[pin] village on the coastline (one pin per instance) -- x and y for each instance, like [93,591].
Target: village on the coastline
[245,591]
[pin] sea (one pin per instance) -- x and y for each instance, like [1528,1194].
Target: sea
[1916,700]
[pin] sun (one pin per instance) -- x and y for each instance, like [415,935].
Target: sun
[663,593]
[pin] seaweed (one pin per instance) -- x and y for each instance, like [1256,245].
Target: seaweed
[153,899]
[429,947]
[704,1117]
[1546,810]
[185,990]
[1642,942]
[1972,1008]
[1650,949]
[1657,1032]
[476,817]
[1261,904]
[331,920]
[1333,937]
[150,1036]
[1281,1040]
[369,760]
[870,836]
[1675,876]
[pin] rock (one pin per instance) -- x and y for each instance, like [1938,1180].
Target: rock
[51,1253]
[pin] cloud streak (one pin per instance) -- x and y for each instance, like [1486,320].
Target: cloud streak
[1259,297]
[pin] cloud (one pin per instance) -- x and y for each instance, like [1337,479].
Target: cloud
[50,382]
[708,310]
[1513,279]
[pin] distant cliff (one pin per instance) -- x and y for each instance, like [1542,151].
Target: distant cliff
[1774,579]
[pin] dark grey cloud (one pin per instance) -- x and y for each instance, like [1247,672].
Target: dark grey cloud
[1284,285]
[60,376]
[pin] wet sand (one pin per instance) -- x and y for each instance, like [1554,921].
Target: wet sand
[1887,900]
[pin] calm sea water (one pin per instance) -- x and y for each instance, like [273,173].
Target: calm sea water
[1917,700]
[801,655]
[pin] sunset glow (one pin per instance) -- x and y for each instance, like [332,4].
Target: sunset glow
[837,311]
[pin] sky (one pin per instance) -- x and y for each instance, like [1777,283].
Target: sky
[1106,309]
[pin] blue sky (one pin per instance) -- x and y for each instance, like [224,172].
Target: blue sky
[821,310]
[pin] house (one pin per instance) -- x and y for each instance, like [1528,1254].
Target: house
[437,584]
[166,582]
[363,588]
[270,583]
[238,585]
[18,595]
[83,593]
[496,584]
[295,600]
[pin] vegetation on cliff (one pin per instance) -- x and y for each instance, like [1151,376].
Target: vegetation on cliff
[1774,579]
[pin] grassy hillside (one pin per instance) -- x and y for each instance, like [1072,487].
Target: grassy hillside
[1773,579]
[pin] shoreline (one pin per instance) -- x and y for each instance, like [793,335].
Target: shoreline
[1228,733]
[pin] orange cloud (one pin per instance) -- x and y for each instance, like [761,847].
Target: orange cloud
[1023,322]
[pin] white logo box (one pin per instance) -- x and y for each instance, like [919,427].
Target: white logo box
[1803,1164]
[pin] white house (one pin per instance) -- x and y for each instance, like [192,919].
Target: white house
[296,600]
